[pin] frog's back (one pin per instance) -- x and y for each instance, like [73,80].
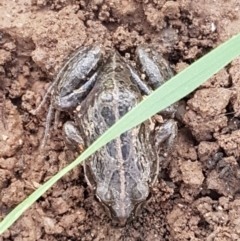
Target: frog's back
[119,172]
[113,95]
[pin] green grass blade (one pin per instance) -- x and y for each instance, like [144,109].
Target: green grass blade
[173,90]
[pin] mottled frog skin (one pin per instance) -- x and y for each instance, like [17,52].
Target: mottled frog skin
[100,93]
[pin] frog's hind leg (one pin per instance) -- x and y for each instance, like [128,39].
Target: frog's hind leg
[78,95]
[141,85]
[72,100]
[65,90]
[72,136]
[154,66]
[57,79]
[48,125]
[2,109]
[157,72]
[46,96]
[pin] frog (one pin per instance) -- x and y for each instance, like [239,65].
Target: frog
[99,92]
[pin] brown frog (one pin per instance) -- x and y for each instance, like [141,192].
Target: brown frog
[100,93]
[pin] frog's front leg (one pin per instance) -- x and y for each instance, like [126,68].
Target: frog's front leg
[165,136]
[75,142]
[72,136]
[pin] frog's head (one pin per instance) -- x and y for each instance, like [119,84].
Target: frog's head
[122,201]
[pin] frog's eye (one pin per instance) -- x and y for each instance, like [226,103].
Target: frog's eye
[108,196]
[141,202]
[136,195]
[105,201]
[138,208]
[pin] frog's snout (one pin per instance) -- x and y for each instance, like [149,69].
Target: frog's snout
[120,221]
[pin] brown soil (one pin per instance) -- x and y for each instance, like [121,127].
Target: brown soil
[197,195]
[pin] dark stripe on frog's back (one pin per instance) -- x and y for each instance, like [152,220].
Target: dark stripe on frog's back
[125,146]
[115,74]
